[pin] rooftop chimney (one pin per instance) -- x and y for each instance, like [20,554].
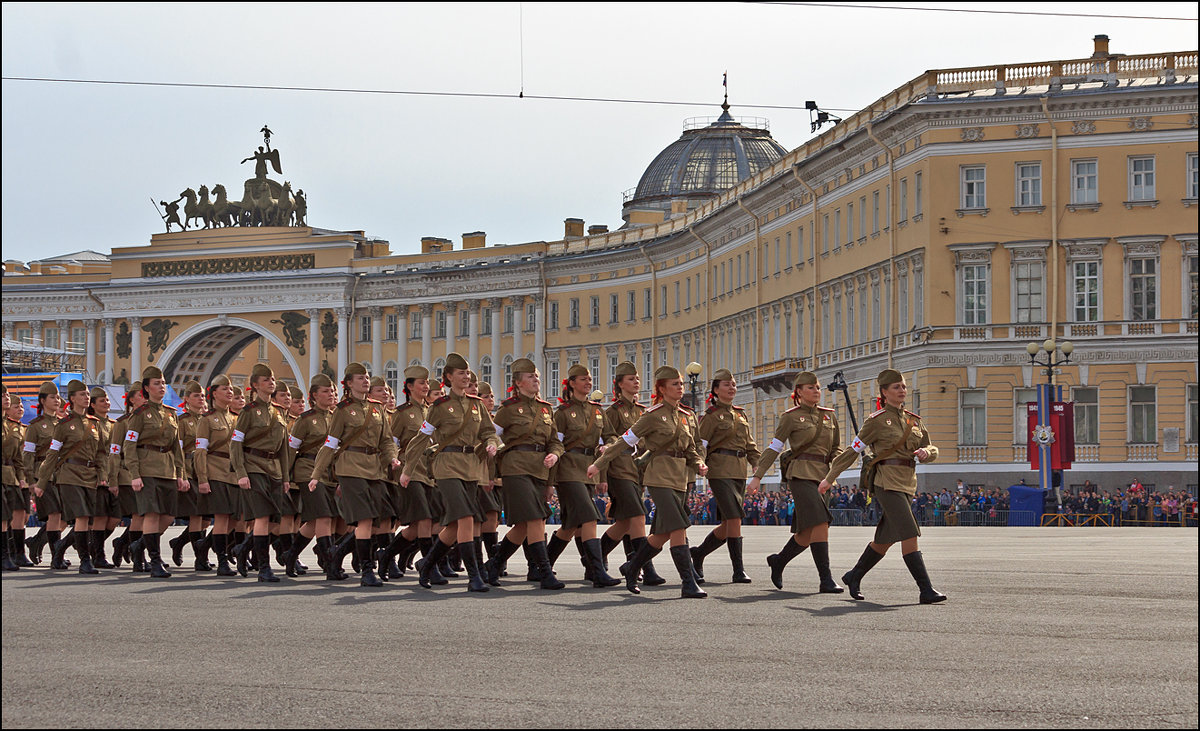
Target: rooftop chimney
[597,229]
[1101,42]
[574,228]
[474,240]
[434,245]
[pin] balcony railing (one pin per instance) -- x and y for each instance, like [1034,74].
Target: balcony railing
[1142,452]
[972,453]
[1087,452]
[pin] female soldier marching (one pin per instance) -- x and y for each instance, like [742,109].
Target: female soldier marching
[725,437]
[531,448]
[897,440]
[14,483]
[457,423]
[664,431]
[155,463]
[581,426]
[811,433]
[118,474]
[188,507]
[38,436]
[417,514]
[358,446]
[318,505]
[216,483]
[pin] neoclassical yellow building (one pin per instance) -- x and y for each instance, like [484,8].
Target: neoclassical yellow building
[937,231]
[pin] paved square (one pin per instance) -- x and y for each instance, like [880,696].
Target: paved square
[1044,627]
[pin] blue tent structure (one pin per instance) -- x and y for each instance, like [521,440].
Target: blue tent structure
[1023,502]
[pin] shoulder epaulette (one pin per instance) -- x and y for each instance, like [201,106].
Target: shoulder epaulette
[912,414]
[374,401]
[877,413]
[686,408]
[93,418]
[511,400]
[595,403]
[441,400]
[310,412]
[541,400]
[792,409]
[654,407]
[738,408]
[824,408]
[477,398]
[345,403]
[142,408]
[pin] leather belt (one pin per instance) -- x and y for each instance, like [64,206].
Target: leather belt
[161,450]
[729,452]
[224,455]
[899,462]
[528,448]
[586,451]
[309,455]
[363,450]
[457,449]
[824,459]
[82,462]
[260,453]
[672,453]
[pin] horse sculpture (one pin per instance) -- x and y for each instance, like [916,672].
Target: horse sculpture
[197,209]
[257,204]
[224,211]
[284,206]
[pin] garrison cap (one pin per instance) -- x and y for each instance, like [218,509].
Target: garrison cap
[578,370]
[666,372]
[723,375]
[220,380]
[133,387]
[151,372]
[74,387]
[49,388]
[625,368]
[237,390]
[416,372]
[261,370]
[192,387]
[888,377]
[804,378]
[485,389]
[523,365]
[320,381]
[97,392]
[295,392]
[454,361]
[377,381]
[355,369]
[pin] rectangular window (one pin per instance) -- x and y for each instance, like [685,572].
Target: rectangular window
[1087,415]
[972,418]
[509,318]
[837,321]
[1028,291]
[439,319]
[1193,305]
[975,285]
[392,326]
[1143,417]
[678,301]
[887,207]
[837,229]
[595,311]
[974,187]
[739,272]
[50,337]
[554,379]
[100,346]
[414,325]
[662,301]
[531,322]
[788,251]
[903,200]
[1029,184]
[687,297]
[485,321]
[614,309]
[876,320]
[903,297]
[849,223]
[850,330]
[78,340]
[464,323]
[573,319]
[1086,276]
[632,306]
[919,297]
[918,194]
[262,350]
[1141,178]
[646,304]
[862,217]
[1143,289]
[1085,181]
[862,309]
[554,317]
[1193,413]
[778,258]
[1192,184]
[364,329]
[1022,396]
[25,335]
[825,234]
[875,212]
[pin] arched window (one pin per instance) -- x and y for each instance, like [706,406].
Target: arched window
[485,369]
[391,374]
[416,362]
[438,365]
[508,361]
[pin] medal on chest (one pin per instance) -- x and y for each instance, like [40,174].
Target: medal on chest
[72,427]
[573,414]
[450,409]
[520,409]
[889,422]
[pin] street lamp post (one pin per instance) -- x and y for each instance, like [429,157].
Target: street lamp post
[1048,393]
[693,371]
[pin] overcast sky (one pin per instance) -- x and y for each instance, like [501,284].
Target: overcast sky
[81,162]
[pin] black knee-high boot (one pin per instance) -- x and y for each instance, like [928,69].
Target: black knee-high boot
[542,559]
[17,555]
[491,569]
[853,578]
[221,546]
[607,545]
[428,546]
[85,552]
[642,554]
[820,556]
[554,548]
[916,566]
[735,557]
[158,570]
[599,577]
[470,560]
[683,564]
[777,561]
[710,544]
[6,562]
[262,559]
[364,547]
[426,566]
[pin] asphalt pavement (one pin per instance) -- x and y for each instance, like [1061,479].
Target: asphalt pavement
[1044,627]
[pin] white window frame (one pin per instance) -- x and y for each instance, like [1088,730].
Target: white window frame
[1085,195]
[977,439]
[1021,415]
[1085,412]
[972,193]
[1153,412]
[1028,188]
[1075,291]
[918,194]
[391,326]
[903,200]
[982,313]
[1191,183]
[1141,189]
[1016,294]
[1193,412]
[1130,307]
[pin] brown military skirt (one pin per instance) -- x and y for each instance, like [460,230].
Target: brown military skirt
[458,500]
[811,507]
[730,495]
[83,502]
[127,501]
[416,503]
[897,523]
[222,499]
[626,499]
[575,499]
[263,497]
[157,496]
[48,504]
[489,501]
[361,498]
[391,505]
[319,503]
[524,498]
[9,500]
[188,503]
[291,502]
[670,510]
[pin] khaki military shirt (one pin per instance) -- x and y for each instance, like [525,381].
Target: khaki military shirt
[77,454]
[581,429]
[118,471]
[668,434]
[308,435]
[14,442]
[38,436]
[725,426]
[621,415]
[214,439]
[694,425]
[459,423]
[360,438]
[188,424]
[405,426]
[152,443]
[813,435]
[523,421]
[260,427]
[887,428]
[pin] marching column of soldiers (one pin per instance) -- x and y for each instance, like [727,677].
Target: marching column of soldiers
[422,485]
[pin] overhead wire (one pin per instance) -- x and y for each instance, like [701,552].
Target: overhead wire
[927,9]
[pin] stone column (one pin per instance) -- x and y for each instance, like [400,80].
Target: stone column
[64,332]
[518,303]
[343,348]
[427,334]
[110,349]
[135,353]
[452,329]
[35,327]
[402,338]
[776,316]
[473,333]
[89,348]
[539,333]
[314,344]
[376,340]
[497,305]
[8,331]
